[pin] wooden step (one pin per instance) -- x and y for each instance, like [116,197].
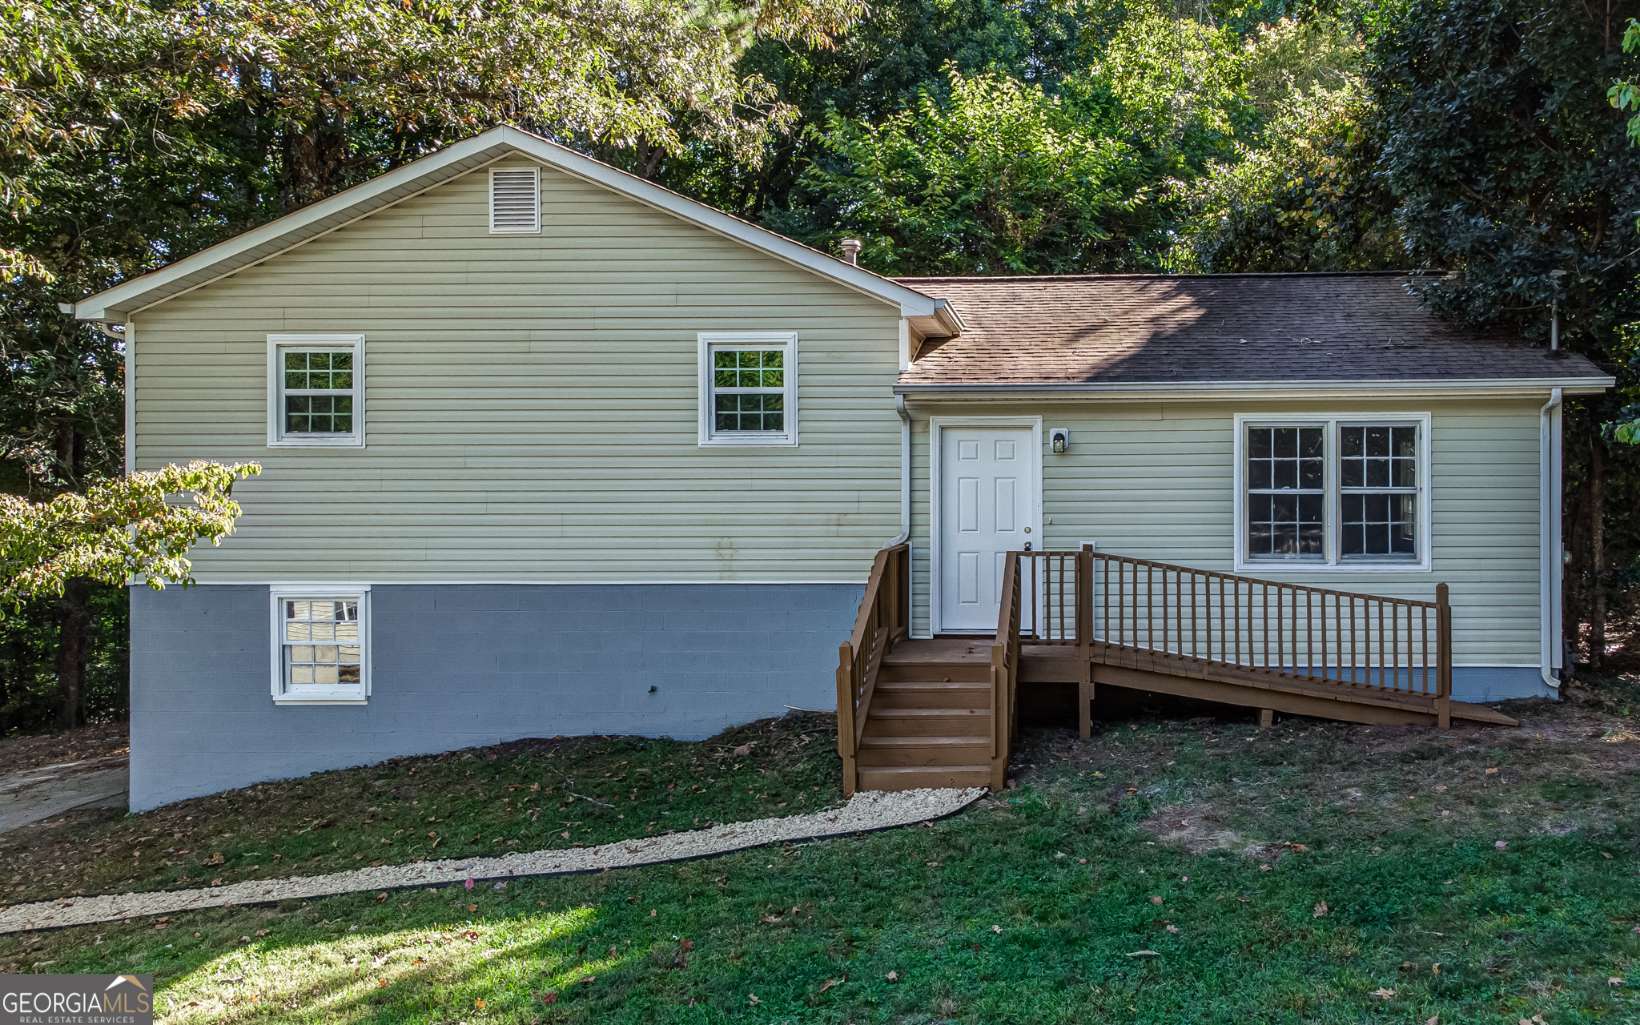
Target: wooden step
[932,669]
[913,778]
[915,751]
[941,694]
[927,722]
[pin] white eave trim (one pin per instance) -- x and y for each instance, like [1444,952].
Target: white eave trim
[910,302]
[1493,388]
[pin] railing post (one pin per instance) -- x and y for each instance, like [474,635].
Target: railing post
[845,717]
[1000,725]
[1443,648]
[1084,641]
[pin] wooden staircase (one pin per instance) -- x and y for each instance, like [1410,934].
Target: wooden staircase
[938,713]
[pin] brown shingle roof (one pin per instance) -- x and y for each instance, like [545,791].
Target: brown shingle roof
[1156,329]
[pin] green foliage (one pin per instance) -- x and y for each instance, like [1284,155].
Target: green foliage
[993,177]
[117,530]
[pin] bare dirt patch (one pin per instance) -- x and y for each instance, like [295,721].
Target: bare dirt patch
[92,746]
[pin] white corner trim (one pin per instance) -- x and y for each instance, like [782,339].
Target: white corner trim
[276,434]
[706,341]
[936,426]
[142,290]
[130,374]
[1333,563]
[346,694]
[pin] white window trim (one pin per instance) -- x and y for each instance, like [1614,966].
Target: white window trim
[740,340]
[1331,562]
[533,229]
[342,694]
[276,391]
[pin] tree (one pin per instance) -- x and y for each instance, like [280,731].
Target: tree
[996,177]
[1508,171]
[116,531]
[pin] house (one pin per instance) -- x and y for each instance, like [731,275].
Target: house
[551,450]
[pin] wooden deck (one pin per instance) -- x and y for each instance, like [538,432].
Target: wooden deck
[923,713]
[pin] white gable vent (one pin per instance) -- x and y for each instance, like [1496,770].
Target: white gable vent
[515,200]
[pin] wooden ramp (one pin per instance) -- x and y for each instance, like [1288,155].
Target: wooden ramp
[922,713]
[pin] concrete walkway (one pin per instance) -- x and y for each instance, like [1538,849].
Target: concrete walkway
[865,812]
[34,794]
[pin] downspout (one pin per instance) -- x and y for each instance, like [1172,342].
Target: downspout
[1550,561]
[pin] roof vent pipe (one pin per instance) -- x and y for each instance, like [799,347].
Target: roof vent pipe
[1554,313]
[851,251]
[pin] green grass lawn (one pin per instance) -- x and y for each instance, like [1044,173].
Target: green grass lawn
[1165,871]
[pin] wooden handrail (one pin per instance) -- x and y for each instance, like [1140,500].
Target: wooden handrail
[884,618]
[1141,613]
[1005,653]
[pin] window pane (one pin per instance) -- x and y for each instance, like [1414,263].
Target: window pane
[321,623]
[1349,441]
[1352,473]
[1258,473]
[1258,443]
[1377,441]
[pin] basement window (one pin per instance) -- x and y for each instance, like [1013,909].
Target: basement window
[321,644]
[1332,492]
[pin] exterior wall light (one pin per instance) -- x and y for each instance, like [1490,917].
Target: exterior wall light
[1059,440]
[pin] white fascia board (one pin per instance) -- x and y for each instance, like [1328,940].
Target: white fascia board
[910,302]
[1436,388]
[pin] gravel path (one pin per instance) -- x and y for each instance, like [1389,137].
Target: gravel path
[864,812]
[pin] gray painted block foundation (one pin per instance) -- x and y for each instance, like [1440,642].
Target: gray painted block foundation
[461,665]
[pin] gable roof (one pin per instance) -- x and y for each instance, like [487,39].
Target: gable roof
[1206,333]
[930,316]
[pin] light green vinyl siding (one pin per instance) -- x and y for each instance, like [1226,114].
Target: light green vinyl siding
[531,402]
[1156,481]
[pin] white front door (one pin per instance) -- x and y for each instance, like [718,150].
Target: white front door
[987,497]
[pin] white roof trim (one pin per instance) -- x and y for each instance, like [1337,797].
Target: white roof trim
[1475,387]
[151,287]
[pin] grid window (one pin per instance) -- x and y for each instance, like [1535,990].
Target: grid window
[748,391]
[1286,493]
[315,390]
[1330,491]
[1378,491]
[321,647]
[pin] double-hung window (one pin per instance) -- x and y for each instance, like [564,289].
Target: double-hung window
[748,389]
[1345,492]
[315,390]
[321,644]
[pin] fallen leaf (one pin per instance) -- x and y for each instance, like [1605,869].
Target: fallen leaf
[549,998]
[829,983]
[1502,845]
[1492,770]
[1156,900]
[381,896]
[1320,910]
[1144,953]
[751,998]
[479,1003]
[1614,981]
[996,928]
[1171,928]
[741,752]
[471,908]
[1382,993]
[892,976]
[381,983]
[687,944]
